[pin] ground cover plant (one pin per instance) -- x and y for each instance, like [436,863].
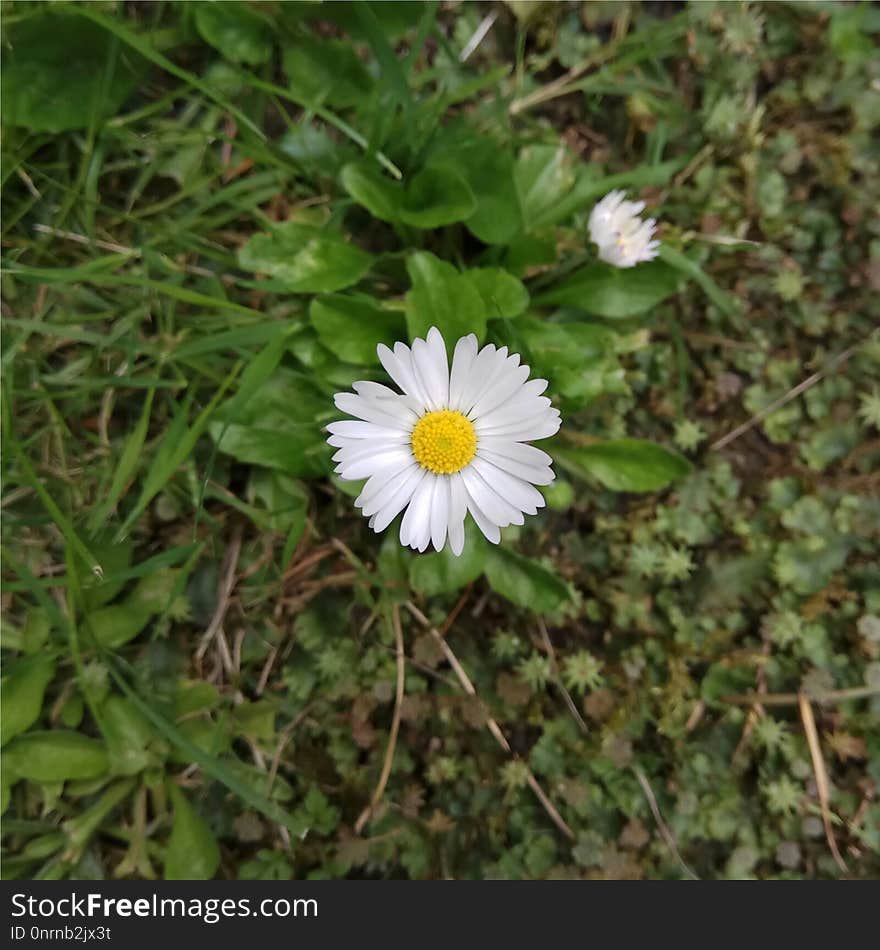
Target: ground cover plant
[213,213]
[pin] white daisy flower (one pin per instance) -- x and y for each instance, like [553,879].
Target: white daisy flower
[452,442]
[624,239]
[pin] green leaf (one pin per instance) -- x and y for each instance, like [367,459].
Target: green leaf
[543,174]
[128,733]
[370,188]
[352,327]
[614,292]
[579,359]
[525,582]
[442,298]
[114,626]
[256,720]
[625,464]
[55,756]
[436,196]
[305,259]
[236,31]
[21,693]
[277,427]
[192,853]
[488,168]
[443,572]
[59,70]
[283,498]
[503,294]
[433,197]
[326,71]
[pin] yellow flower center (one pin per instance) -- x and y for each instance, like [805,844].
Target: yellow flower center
[444,441]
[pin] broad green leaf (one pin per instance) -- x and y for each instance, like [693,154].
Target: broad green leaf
[579,359]
[381,196]
[256,720]
[59,70]
[436,196]
[625,464]
[488,168]
[443,572]
[614,292]
[394,18]
[525,582]
[433,197]
[237,31]
[327,72]
[314,148]
[283,498]
[153,591]
[114,626]
[36,629]
[21,693]
[115,559]
[352,327]
[503,294]
[305,259]
[127,734]
[55,756]
[441,297]
[277,427]
[192,853]
[544,175]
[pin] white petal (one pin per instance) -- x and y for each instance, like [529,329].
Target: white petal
[457,513]
[527,454]
[513,490]
[540,426]
[494,370]
[489,528]
[480,369]
[356,449]
[399,486]
[462,362]
[440,507]
[500,391]
[402,497]
[351,429]
[512,411]
[388,413]
[492,505]
[432,369]
[531,473]
[398,365]
[381,483]
[364,467]
[418,514]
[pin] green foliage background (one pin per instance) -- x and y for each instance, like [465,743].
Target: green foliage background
[212,213]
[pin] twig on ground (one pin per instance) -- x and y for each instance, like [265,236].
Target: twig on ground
[557,672]
[662,827]
[822,784]
[491,723]
[793,393]
[370,810]
[792,699]
[224,592]
[479,35]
